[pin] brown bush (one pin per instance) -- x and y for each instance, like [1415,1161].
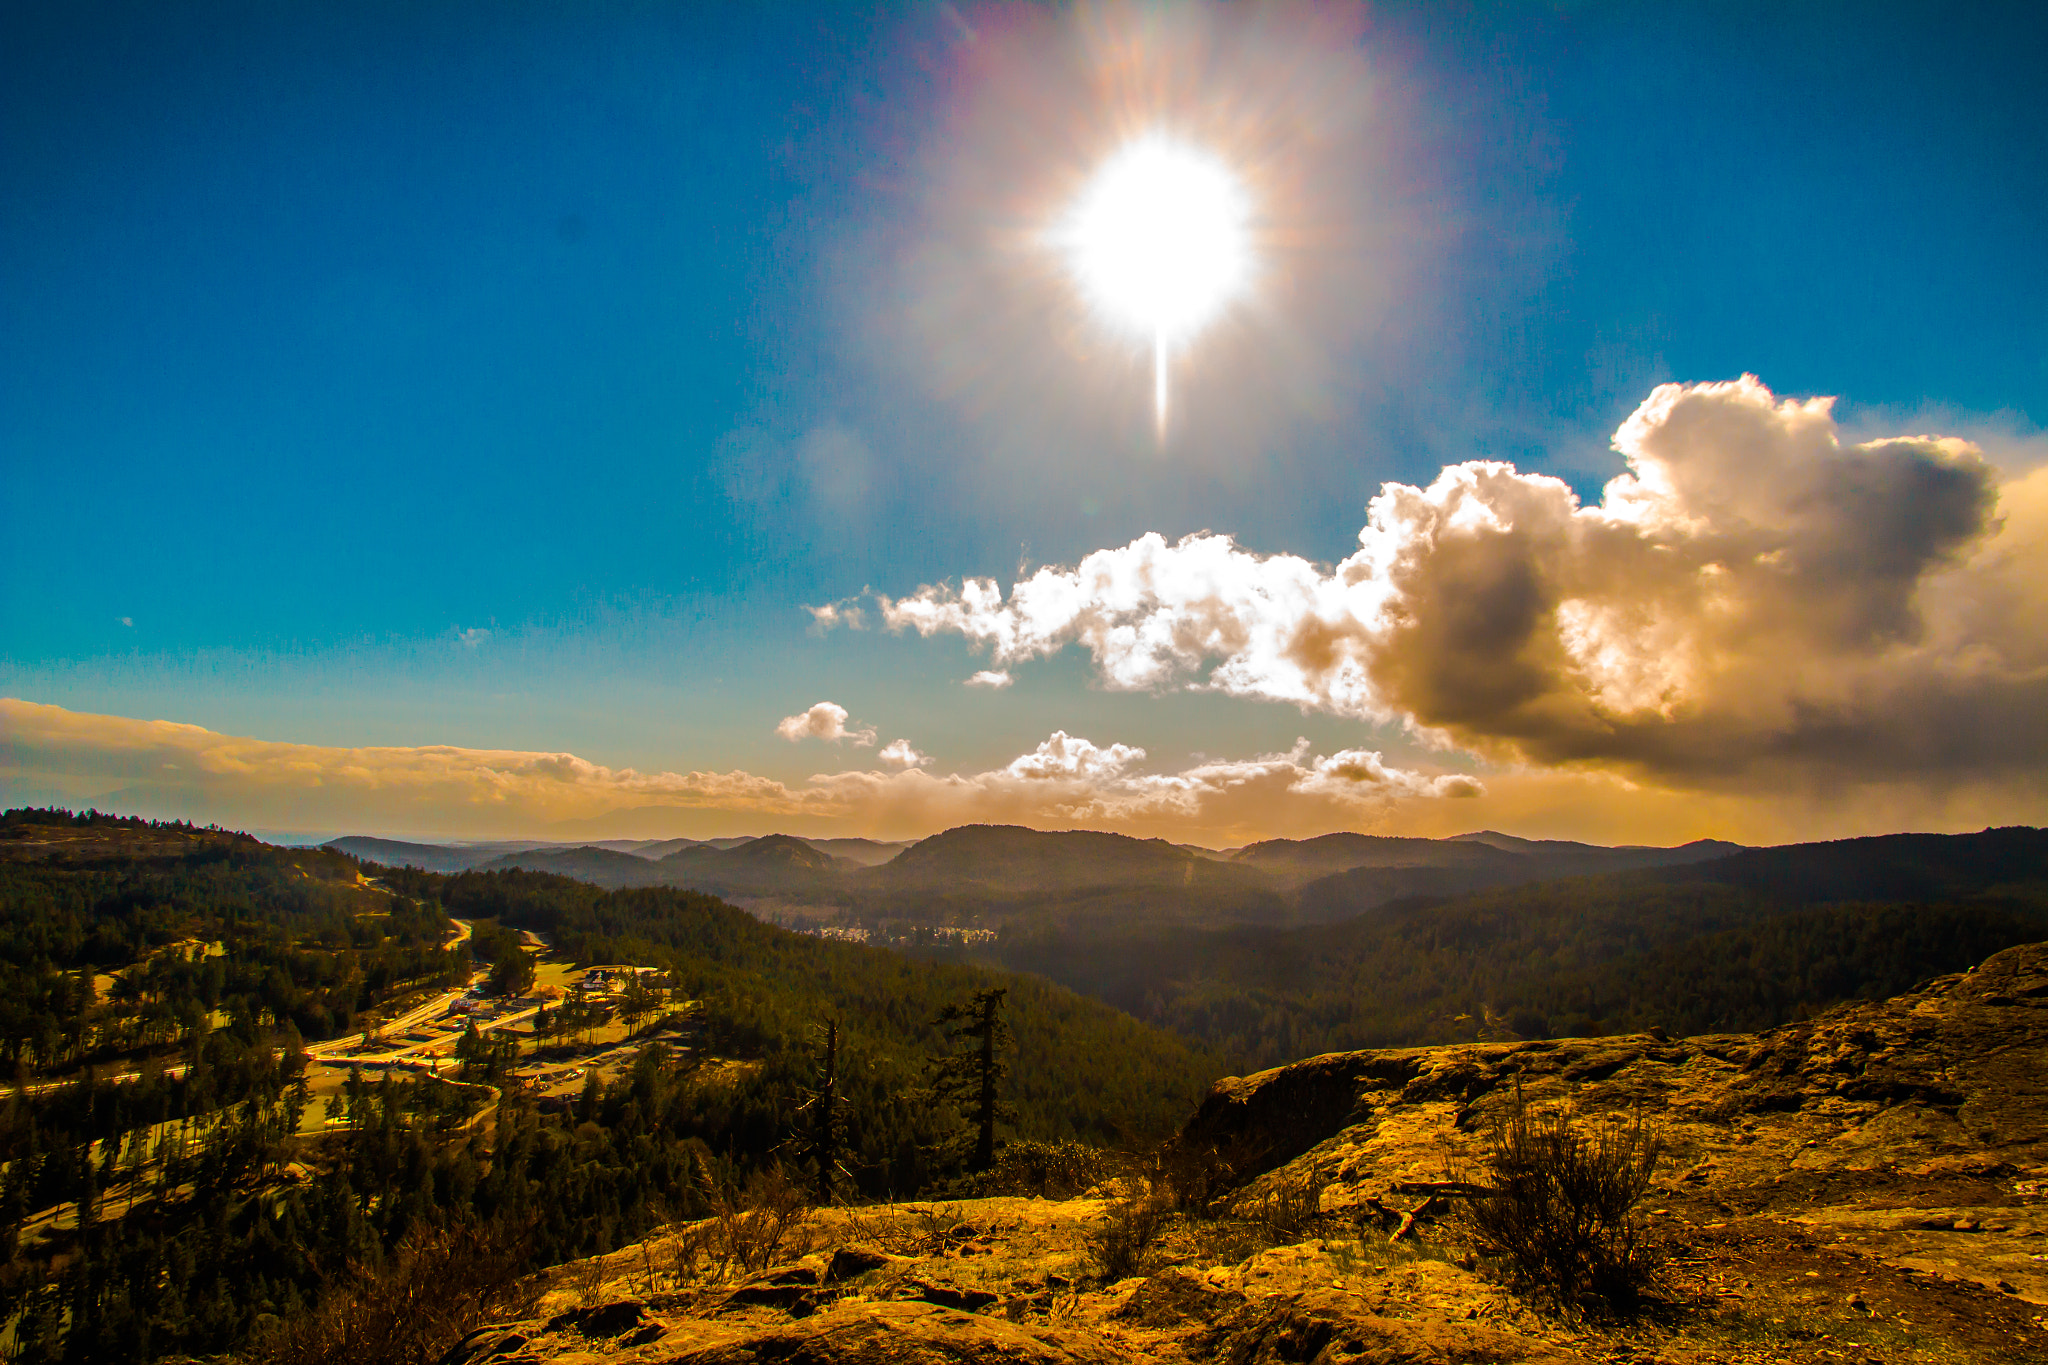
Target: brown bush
[1565,1188]
[1286,1210]
[438,1284]
[1057,1170]
[761,1225]
[1195,1178]
[1119,1246]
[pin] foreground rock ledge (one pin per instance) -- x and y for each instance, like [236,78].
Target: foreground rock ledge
[1869,1185]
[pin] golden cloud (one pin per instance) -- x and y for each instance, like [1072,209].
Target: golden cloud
[164,768]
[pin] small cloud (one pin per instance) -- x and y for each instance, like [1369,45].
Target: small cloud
[471,638]
[826,721]
[899,754]
[844,613]
[1070,756]
[128,621]
[990,678]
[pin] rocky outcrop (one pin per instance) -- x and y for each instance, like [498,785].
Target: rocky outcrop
[881,1333]
[1869,1184]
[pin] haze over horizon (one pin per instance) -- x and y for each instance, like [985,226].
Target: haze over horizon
[1195,421]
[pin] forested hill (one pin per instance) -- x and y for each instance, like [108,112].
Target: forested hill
[33,835]
[1735,943]
[1080,1068]
[168,1180]
[177,923]
[1881,867]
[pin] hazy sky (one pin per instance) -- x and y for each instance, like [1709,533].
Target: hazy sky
[456,418]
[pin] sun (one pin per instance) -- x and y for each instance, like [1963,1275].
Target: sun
[1159,240]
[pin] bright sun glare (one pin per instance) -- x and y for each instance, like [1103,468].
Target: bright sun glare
[1160,241]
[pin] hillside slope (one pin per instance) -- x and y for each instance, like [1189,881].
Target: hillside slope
[1080,1067]
[1342,875]
[775,862]
[589,863]
[1868,1186]
[1011,859]
[153,975]
[1741,941]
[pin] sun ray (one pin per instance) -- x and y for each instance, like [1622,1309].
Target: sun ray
[1159,381]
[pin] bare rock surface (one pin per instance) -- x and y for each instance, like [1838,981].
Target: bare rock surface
[1867,1185]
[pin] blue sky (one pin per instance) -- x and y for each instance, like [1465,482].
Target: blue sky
[333,337]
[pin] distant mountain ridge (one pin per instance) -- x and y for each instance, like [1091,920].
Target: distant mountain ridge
[1297,862]
[1340,875]
[539,855]
[987,875]
[1012,858]
[589,863]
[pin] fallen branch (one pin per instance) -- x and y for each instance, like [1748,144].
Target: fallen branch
[1429,1206]
[1446,1189]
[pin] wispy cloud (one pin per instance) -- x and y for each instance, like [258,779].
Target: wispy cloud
[847,613]
[994,679]
[161,767]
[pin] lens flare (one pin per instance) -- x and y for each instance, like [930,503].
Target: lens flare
[1160,241]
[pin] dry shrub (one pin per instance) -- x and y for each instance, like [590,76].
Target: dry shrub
[677,1253]
[438,1284]
[590,1278]
[938,1226]
[878,1226]
[1195,1179]
[1565,1188]
[1057,1170]
[1119,1246]
[913,1230]
[761,1225]
[1286,1210]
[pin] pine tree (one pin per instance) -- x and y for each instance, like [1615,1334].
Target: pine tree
[823,1136]
[971,1079]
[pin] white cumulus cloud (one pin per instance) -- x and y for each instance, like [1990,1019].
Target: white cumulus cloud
[1065,756]
[897,753]
[1753,595]
[827,721]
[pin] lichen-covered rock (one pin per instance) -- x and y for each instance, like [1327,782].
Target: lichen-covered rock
[1177,1297]
[903,1334]
[1328,1327]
